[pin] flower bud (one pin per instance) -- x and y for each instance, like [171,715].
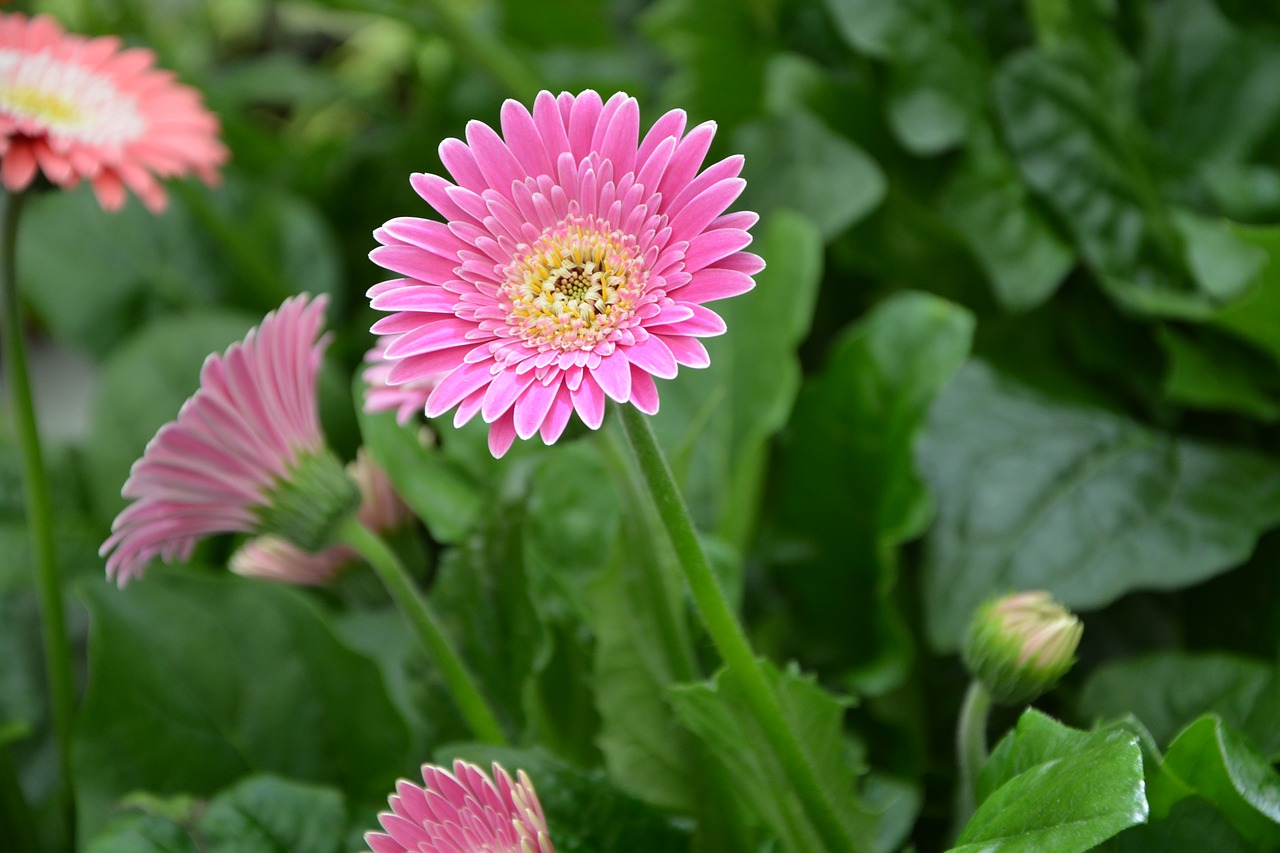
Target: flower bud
[1020,645]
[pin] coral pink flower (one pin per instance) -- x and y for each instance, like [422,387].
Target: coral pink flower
[463,812]
[78,107]
[274,558]
[244,446]
[574,265]
[407,399]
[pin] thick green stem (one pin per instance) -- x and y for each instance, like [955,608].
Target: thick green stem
[731,642]
[414,605]
[57,650]
[971,748]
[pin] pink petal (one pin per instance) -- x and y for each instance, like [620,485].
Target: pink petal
[613,374]
[712,284]
[458,385]
[532,407]
[652,355]
[644,392]
[501,435]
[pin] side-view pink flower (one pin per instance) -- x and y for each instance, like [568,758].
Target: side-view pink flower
[465,811]
[574,265]
[81,108]
[406,399]
[241,450]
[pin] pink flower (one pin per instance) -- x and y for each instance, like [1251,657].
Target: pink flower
[274,558]
[79,107]
[245,454]
[407,399]
[573,267]
[463,812]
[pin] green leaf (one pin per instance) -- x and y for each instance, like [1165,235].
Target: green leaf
[143,385]
[1212,761]
[855,424]
[1207,88]
[91,288]
[719,714]
[267,814]
[642,645]
[1167,691]
[1036,493]
[1191,826]
[988,204]
[440,492]
[1078,144]
[1208,371]
[194,680]
[938,72]
[715,423]
[142,833]
[795,161]
[585,812]
[1052,788]
[1255,317]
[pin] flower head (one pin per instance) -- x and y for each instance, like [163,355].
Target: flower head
[406,399]
[245,454]
[82,108]
[463,812]
[275,558]
[574,265]
[1019,646]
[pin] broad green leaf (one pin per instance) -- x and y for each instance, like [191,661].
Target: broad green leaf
[267,814]
[718,713]
[796,162]
[1036,493]
[1055,789]
[642,645]
[445,496]
[987,203]
[849,489]
[715,423]
[1167,691]
[1255,317]
[1207,88]
[585,812]
[1072,130]
[1208,371]
[194,680]
[1191,826]
[90,290]
[1212,761]
[481,592]
[142,833]
[143,385]
[938,69]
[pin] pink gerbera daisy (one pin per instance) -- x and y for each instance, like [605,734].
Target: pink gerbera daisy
[574,265]
[78,107]
[406,399]
[245,454]
[463,812]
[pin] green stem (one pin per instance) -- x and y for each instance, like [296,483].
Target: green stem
[971,748]
[57,651]
[414,605]
[17,823]
[727,634]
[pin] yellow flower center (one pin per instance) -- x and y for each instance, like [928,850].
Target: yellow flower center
[577,283]
[39,104]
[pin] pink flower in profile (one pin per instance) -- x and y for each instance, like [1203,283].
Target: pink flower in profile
[278,559]
[463,812]
[82,108]
[407,399]
[574,265]
[245,454]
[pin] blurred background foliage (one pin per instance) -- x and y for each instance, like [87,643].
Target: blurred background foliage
[1019,329]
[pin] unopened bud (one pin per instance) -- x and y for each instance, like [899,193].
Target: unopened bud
[1020,645]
